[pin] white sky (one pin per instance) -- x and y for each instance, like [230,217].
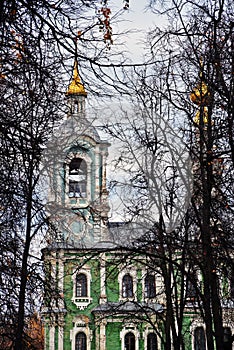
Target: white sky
[137,19]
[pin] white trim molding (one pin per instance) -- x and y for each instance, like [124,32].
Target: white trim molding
[82,302]
[81,325]
[195,324]
[132,271]
[146,332]
[129,328]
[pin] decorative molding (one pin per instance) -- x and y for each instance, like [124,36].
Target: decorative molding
[133,329]
[82,302]
[132,271]
[146,332]
[81,325]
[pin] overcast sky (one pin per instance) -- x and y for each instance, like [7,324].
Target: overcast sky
[137,19]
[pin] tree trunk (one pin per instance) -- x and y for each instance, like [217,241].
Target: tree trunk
[24,273]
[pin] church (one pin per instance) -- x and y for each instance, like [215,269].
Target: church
[101,297]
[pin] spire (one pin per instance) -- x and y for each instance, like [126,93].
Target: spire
[76,87]
[201,96]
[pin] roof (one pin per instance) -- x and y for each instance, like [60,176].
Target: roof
[127,307]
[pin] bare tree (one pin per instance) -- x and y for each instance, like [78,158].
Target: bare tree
[38,44]
[185,82]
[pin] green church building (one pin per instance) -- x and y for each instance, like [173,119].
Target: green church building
[100,297]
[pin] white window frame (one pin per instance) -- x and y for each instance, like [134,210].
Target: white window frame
[146,332]
[82,302]
[199,323]
[159,286]
[133,329]
[229,324]
[199,281]
[132,271]
[144,274]
[80,326]
[194,325]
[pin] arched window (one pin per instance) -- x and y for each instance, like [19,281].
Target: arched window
[152,341]
[227,338]
[77,178]
[199,339]
[191,292]
[127,286]
[81,285]
[150,288]
[129,341]
[81,341]
[232,284]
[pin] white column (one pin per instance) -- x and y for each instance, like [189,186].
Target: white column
[103,335]
[103,298]
[60,337]
[52,335]
[61,301]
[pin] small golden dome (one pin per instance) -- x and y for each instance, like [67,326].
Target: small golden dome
[200,95]
[76,87]
[204,114]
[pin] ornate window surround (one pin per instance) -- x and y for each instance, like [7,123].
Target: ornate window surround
[144,274]
[82,302]
[80,326]
[199,323]
[132,271]
[229,324]
[190,299]
[146,332]
[133,329]
[159,289]
[195,324]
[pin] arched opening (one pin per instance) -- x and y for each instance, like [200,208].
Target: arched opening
[227,338]
[81,341]
[199,339]
[78,178]
[191,292]
[129,341]
[81,285]
[127,286]
[152,341]
[150,288]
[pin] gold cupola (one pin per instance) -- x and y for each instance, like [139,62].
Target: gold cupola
[200,94]
[201,97]
[76,87]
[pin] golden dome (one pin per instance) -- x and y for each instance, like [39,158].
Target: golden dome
[200,95]
[204,114]
[76,87]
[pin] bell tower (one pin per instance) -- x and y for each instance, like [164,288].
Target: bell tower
[77,191]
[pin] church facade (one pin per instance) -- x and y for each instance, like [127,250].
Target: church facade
[101,298]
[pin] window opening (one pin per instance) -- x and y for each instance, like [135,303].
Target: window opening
[227,338]
[81,341]
[129,341]
[152,341]
[150,288]
[232,284]
[199,339]
[127,286]
[81,285]
[191,292]
[77,178]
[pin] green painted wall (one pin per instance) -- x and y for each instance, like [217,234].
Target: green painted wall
[113,341]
